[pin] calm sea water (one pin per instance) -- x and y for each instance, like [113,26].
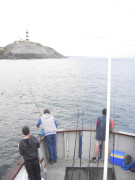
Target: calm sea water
[63,86]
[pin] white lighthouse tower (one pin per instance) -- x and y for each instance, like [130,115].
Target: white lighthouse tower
[27,35]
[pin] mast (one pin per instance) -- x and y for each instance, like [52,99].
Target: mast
[107,120]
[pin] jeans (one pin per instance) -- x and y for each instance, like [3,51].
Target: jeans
[51,142]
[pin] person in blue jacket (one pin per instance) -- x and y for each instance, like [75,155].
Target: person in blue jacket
[49,125]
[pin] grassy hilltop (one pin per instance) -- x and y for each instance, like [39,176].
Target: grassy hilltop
[28,50]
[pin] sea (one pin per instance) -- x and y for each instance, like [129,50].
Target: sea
[67,87]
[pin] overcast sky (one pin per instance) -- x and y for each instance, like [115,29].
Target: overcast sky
[72,27]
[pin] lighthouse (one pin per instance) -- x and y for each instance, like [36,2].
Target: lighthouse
[27,35]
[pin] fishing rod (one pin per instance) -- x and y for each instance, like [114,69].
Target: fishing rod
[75,145]
[113,142]
[7,146]
[100,148]
[98,162]
[2,93]
[35,102]
[75,139]
[89,156]
[81,140]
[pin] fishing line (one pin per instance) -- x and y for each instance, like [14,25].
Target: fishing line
[7,158]
[35,102]
[16,146]
[14,139]
[11,144]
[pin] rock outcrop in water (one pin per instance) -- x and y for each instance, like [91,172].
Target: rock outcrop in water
[28,50]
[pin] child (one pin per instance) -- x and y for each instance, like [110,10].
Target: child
[28,148]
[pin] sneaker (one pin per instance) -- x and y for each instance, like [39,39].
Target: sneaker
[94,160]
[51,162]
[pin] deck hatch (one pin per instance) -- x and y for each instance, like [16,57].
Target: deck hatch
[88,173]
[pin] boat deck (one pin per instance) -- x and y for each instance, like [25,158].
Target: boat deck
[57,171]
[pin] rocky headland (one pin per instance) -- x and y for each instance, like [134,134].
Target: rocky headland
[28,50]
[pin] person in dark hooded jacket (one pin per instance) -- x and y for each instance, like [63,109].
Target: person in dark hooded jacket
[28,148]
[100,132]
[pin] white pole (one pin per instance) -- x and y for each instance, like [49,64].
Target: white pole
[107,120]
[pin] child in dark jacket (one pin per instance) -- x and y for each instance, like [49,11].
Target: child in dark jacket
[28,148]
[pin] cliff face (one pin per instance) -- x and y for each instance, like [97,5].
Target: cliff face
[28,50]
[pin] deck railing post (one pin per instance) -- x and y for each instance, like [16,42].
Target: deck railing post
[107,120]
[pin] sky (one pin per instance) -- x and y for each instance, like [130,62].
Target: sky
[96,28]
